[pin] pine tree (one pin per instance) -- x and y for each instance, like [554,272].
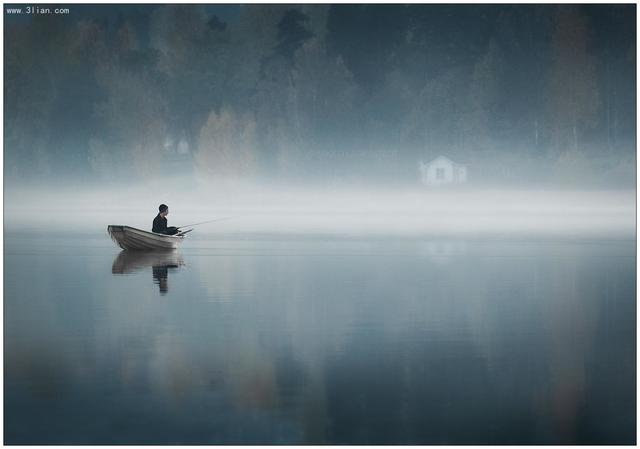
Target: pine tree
[572,95]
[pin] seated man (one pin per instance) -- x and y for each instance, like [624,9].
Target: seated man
[160,222]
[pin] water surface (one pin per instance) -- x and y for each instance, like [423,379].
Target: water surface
[320,340]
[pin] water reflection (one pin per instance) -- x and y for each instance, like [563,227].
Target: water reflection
[161,262]
[443,252]
[399,342]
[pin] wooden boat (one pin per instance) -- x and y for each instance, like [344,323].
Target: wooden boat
[127,237]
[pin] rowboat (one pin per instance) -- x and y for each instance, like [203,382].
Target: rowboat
[127,237]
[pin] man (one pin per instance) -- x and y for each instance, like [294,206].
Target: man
[160,222]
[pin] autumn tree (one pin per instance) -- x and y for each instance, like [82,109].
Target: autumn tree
[226,145]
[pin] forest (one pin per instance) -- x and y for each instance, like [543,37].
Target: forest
[322,94]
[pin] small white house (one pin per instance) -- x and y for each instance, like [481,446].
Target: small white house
[442,171]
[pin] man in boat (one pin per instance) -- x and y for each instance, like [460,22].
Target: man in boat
[160,222]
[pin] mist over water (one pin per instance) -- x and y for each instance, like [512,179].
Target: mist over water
[350,211]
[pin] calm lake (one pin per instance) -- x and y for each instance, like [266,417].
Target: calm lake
[320,340]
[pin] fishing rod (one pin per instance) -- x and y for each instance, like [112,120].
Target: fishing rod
[203,222]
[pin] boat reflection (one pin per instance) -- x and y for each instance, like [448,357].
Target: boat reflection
[161,262]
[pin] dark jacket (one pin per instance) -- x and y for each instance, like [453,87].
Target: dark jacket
[159,225]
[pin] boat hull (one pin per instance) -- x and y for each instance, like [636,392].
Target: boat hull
[130,238]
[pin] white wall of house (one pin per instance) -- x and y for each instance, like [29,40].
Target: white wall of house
[441,171]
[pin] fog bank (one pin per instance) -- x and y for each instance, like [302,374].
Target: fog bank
[350,212]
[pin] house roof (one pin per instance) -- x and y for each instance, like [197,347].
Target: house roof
[442,158]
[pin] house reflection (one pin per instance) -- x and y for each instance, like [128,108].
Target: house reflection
[161,262]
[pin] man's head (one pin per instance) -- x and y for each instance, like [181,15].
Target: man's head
[164,210]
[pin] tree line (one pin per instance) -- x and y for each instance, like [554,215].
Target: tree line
[321,91]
